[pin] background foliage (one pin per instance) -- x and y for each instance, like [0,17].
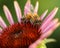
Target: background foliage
[43,5]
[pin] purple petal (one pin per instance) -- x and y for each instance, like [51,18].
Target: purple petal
[50,31]
[8,15]
[27,7]
[43,15]
[51,24]
[36,7]
[2,23]
[49,17]
[18,11]
[54,22]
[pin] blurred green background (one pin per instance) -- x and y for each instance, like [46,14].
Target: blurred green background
[43,5]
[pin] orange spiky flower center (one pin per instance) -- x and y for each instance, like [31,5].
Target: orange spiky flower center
[21,35]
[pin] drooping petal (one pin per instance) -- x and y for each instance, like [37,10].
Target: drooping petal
[36,7]
[2,23]
[8,15]
[18,11]
[49,18]
[50,40]
[43,15]
[51,24]
[27,7]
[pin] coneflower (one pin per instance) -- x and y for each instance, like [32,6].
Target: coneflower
[30,29]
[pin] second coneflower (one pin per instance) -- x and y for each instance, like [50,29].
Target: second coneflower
[30,29]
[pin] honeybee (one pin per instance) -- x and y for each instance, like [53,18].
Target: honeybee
[34,18]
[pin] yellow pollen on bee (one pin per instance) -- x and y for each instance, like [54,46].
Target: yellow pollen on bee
[32,16]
